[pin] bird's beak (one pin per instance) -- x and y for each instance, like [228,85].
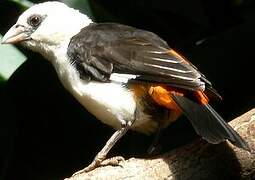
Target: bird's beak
[16,33]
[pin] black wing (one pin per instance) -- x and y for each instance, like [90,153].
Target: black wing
[102,49]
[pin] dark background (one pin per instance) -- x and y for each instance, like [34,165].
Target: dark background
[46,134]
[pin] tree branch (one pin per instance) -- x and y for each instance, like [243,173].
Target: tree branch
[197,160]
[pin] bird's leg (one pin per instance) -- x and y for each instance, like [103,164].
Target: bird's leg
[153,147]
[99,160]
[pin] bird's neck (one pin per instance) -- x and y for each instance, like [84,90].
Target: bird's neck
[59,59]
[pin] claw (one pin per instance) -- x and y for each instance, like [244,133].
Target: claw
[96,163]
[114,161]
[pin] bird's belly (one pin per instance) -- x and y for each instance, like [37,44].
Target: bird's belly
[112,104]
[109,102]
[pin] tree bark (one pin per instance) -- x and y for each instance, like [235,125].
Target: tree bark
[197,160]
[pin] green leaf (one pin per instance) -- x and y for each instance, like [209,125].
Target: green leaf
[11,59]
[23,3]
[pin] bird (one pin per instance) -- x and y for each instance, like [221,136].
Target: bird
[128,78]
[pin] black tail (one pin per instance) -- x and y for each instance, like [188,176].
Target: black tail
[208,123]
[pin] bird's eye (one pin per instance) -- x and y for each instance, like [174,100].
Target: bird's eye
[34,20]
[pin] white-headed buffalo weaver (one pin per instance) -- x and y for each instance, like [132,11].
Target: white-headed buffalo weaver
[127,77]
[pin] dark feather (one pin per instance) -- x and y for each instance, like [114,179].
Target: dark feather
[208,123]
[114,48]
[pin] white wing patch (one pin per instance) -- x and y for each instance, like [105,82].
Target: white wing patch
[167,68]
[122,78]
[168,60]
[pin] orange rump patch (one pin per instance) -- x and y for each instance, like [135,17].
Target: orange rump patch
[139,89]
[161,95]
[178,56]
[202,98]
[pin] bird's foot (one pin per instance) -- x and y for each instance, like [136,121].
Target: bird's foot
[114,161]
[95,163]
[100,161]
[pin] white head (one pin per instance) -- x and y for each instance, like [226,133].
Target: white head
[46,26]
